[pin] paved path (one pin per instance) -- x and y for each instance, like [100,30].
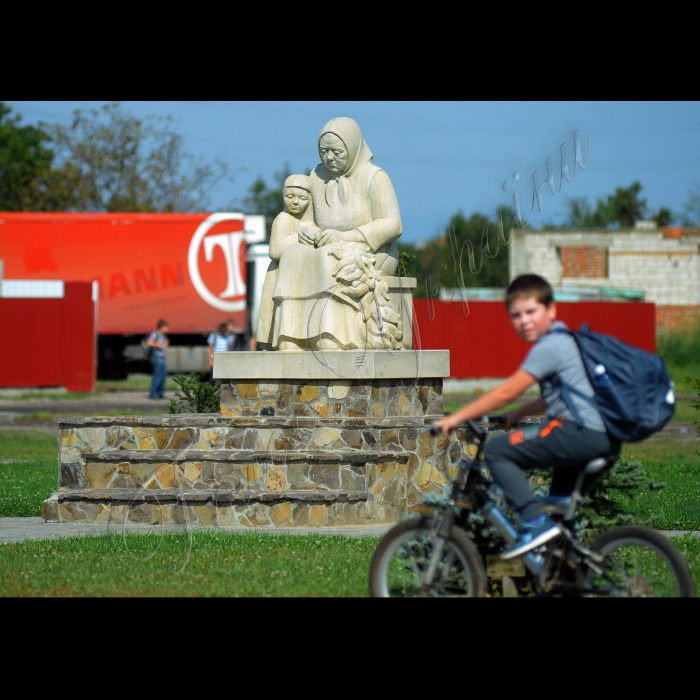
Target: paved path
[19,529]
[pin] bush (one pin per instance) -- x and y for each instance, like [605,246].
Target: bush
[695,384]
[598,511]
[680,349]
[628,478]
[195,395]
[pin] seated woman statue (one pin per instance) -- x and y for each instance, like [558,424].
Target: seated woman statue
[331,289]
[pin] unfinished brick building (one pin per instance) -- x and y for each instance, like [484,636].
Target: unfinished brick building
[664,263]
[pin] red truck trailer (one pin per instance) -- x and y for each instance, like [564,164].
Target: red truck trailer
[191,269]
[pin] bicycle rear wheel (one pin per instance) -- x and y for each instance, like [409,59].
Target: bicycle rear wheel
[403,554]
[639,563]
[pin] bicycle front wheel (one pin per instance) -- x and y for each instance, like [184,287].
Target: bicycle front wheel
[639,563]
[402,557]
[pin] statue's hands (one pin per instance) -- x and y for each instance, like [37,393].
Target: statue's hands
[307,234]
[332,236]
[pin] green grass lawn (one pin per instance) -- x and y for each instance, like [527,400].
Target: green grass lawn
[139,381]
[196,564]
[32,478]
[24,485]
[103,386]
[30,444]
[202,564]
[677,464]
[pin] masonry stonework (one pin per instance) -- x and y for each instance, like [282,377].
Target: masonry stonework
[582,261]
[676,319]
[281,453]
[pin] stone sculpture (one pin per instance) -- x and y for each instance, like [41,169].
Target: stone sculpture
[304,439]
[334,253]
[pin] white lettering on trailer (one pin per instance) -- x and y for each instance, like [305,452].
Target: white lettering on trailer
[230,244]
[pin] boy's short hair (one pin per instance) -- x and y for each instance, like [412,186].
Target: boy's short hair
[529,285]
[162,323]
[223,328]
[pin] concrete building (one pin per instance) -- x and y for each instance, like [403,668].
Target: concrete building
[663,262]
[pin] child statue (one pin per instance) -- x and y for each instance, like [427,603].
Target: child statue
[285,232]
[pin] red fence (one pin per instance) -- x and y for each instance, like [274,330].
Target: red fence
[482,342]
[46,342]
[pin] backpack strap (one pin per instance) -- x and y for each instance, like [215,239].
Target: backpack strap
[566,390]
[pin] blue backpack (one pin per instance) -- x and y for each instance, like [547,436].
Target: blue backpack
[633,391]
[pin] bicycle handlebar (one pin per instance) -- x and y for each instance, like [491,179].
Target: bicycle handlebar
[473,425]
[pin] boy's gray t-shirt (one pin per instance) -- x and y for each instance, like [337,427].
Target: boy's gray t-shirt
[557,353]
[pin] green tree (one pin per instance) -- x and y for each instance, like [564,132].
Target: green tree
[664,217]
[625,205]
[24,157]
[622,209]
[108,160]
[473,252]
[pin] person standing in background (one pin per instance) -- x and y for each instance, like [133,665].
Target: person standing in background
[240,339]
[236,336]
[158,342]
[218,342]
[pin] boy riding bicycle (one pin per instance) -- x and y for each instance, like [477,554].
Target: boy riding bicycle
[562,443]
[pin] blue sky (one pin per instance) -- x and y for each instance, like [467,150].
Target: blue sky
[444,156]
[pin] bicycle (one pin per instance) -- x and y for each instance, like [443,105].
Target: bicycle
[435,556]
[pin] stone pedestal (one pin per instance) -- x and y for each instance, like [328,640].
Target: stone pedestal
[332,383]
[345,442]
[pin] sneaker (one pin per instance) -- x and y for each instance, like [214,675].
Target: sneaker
[532,536]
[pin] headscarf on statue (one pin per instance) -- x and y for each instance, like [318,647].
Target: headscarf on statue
[341,201]
[348,131]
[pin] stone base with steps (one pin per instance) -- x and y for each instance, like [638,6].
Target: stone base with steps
[319,451]
[298,472]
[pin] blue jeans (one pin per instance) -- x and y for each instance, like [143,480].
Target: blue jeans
[159,374]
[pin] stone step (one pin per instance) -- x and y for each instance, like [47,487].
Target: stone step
[214,420]
[198,496]
[278,456]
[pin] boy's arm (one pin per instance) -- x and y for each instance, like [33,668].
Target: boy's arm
[535,408]
[501,396]
[151,341]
